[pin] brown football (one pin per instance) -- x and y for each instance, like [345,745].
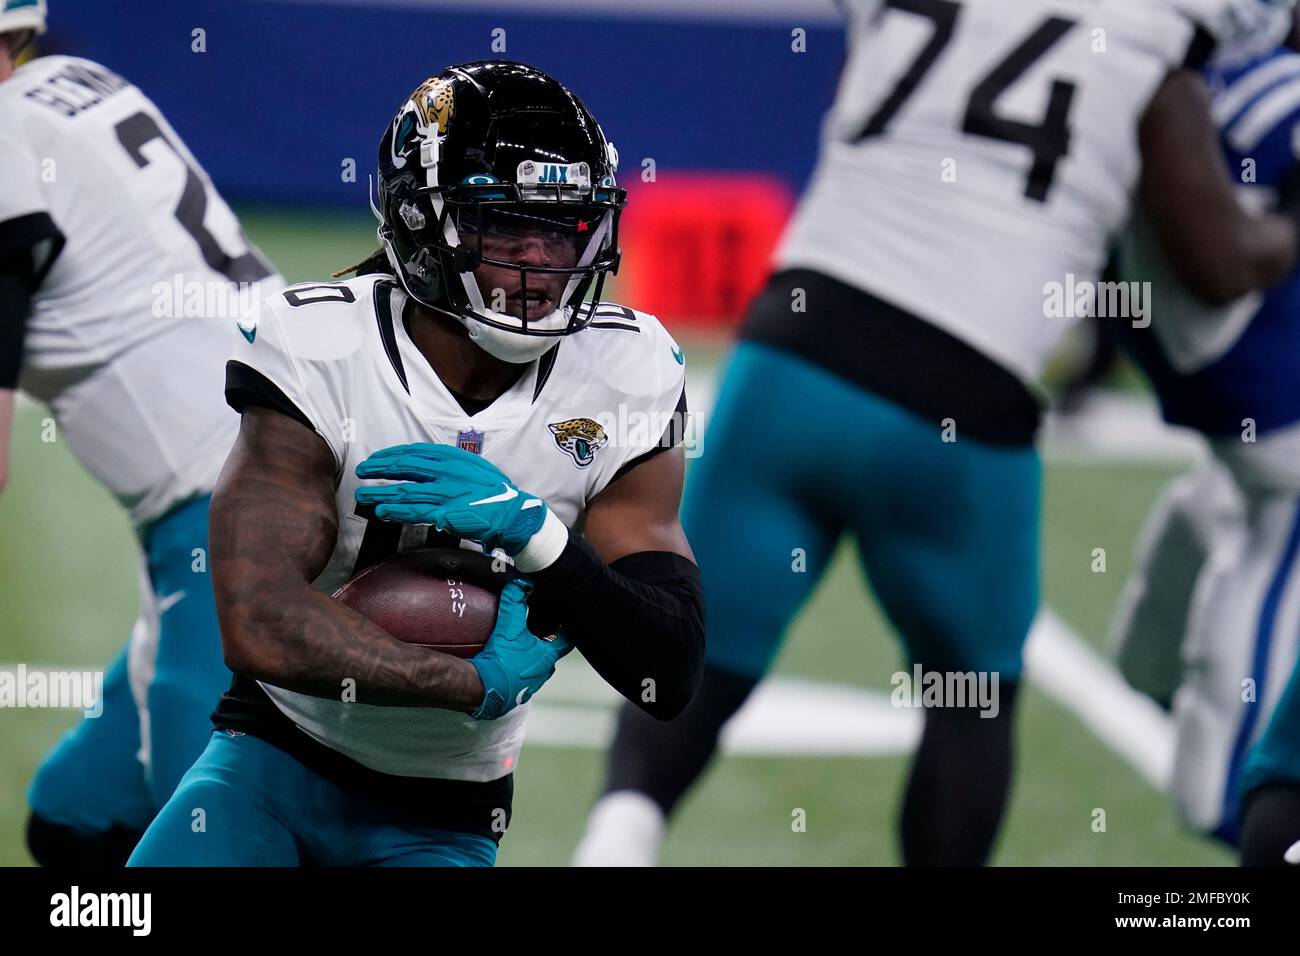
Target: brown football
[444,598]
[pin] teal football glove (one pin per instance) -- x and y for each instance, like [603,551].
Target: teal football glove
[466,494]
[515,663]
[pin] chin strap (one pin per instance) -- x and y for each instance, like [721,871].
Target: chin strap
[513,347]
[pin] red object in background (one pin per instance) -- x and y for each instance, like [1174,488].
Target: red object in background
[697,247]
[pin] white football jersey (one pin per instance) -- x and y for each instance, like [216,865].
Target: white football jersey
[130,329]
[342,355]
[980,150]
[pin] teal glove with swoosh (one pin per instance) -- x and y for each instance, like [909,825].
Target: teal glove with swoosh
[458,491]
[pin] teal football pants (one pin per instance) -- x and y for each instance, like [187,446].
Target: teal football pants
[794,458]
[247,803]
[94,779]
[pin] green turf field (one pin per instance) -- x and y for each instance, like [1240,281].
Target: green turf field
[68,597]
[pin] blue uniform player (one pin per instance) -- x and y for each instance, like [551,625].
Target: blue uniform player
[1210,625]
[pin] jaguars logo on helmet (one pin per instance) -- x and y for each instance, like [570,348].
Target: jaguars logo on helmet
[436,102]
[498,144]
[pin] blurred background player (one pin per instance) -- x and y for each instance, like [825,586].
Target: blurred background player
[1210,623]
[977,152]
[102,208]
[469,336]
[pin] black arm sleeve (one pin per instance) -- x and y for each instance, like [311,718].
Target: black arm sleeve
[639,621]
[20,276]
[15,303]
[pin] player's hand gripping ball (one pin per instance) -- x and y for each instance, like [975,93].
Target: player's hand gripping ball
[515,663]
[454,490]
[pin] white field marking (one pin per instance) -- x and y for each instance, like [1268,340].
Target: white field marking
[792,717]
[795,717]
[785,716]
[1061,664]
[1117,427]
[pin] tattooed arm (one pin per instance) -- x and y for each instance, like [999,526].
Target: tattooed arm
[273,525]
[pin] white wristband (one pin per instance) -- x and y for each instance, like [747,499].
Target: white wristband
[544,547]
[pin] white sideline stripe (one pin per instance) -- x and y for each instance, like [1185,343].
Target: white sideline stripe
[785,716]
[795,717]
[1117,427]
[1061,664]
[799,717]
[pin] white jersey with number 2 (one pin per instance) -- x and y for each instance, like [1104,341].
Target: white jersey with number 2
[130,329]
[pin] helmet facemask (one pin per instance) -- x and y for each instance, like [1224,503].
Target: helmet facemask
[520,261]
[498,205]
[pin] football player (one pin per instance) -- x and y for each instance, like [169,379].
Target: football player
[102,208]
[1210,623]
[468,365]
[979,152]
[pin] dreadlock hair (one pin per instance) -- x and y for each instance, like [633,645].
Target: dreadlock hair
[375,264]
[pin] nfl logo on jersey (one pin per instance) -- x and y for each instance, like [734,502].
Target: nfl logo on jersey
[470,440]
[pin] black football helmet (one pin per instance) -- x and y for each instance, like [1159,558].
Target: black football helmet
[498,149]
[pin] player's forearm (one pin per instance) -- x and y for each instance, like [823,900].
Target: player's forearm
[1254,253]
[272,527]
[300,639]
[639,622]
[1219,249]
[1269,247]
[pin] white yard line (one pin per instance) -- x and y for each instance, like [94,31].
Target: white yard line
[1066,668]
[796,717]
[1118,427]
[786,716]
